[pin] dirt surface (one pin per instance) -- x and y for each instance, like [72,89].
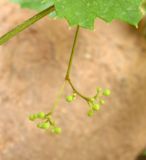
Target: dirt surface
[32,68]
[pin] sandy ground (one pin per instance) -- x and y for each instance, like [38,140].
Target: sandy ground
[32,68]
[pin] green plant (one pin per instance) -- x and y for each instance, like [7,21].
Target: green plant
[81,14]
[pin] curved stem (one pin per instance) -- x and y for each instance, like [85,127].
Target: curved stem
[25,24]
[76,91]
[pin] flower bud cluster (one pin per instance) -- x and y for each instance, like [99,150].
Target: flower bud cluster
[97,101]
[47,123]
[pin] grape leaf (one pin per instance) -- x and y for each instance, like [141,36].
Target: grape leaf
[84,12]
[38,5]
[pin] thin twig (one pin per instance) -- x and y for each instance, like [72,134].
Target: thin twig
[25,25]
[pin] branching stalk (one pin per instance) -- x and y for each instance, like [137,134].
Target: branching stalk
[67,77]
[76,91]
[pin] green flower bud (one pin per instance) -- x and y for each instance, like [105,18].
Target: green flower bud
[90,113]
[57,130]
[96,107]
[32,117]
[69,98]
[102,102]
[106,92]
[44,125]
[92,100]
[74,94]
[41,115]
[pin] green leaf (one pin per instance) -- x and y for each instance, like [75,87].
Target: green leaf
[38,5]
[84,12]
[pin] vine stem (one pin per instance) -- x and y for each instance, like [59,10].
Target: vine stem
[56,103]
[72,54]
[25,25]
[76,91]
[67,77]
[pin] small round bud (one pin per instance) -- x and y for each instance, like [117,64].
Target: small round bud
[92,100]
[57,130]
[41,115]
[96,107]
[32,117]
[106,92]
[44,125]
[102,102]
[74,94]
[90,113]
[69,98]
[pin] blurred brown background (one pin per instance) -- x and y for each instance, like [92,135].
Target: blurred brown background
[32,67]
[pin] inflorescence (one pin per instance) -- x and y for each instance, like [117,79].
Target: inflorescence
[47,123]
[94,102]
